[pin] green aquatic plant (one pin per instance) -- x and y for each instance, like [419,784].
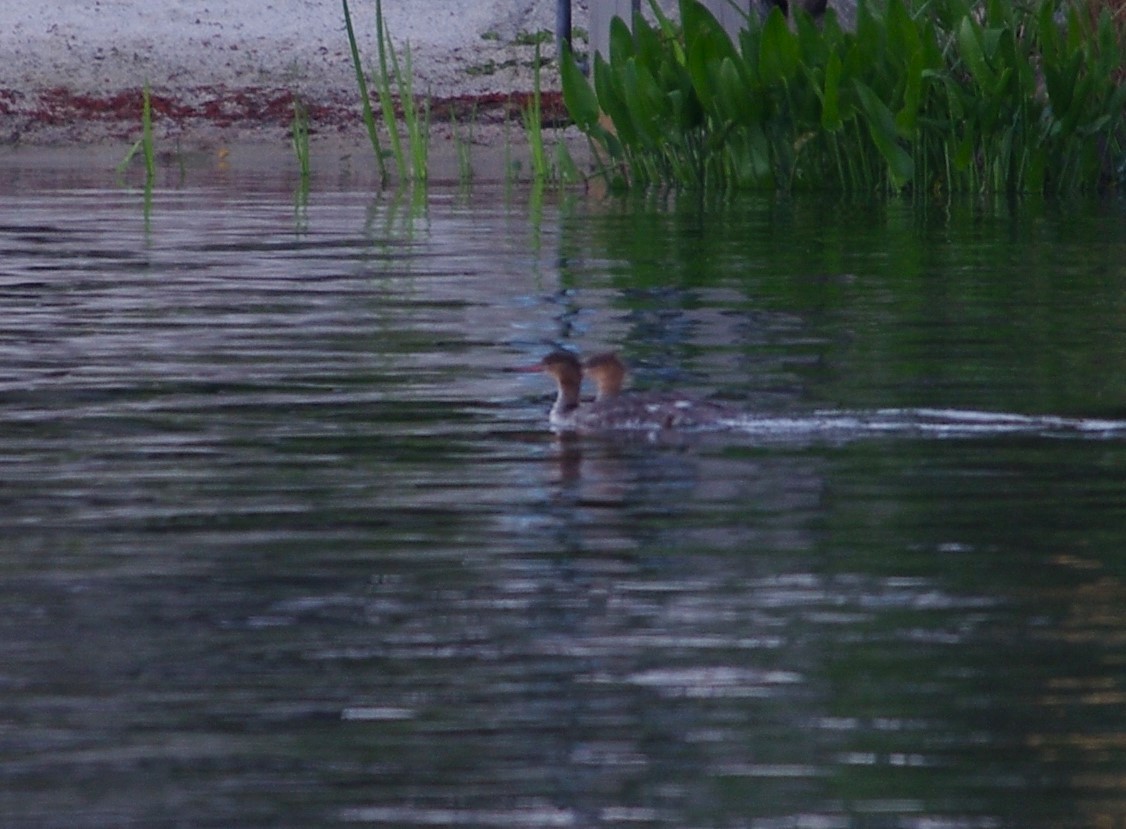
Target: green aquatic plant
[299,135]
[463,143]
[147,144]
[566,170]
[947,97]
[561,168]
[144,144]
[386,99]
[365,97]
[533,125]
[391,77]
[416,117]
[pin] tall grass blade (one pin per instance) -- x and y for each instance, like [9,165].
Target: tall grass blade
[146,133]
[300,137]
[386,99]
[415,116]
[365,98]
[533,124]
[145,144]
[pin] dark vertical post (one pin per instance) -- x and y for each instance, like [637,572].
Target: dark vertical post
[563,24]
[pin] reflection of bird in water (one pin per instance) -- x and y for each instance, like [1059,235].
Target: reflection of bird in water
[613,409]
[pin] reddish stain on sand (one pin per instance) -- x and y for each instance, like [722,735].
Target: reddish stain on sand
[247,107]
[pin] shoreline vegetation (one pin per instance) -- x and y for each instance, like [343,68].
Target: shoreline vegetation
[406,117]
[939,97]
[930,97]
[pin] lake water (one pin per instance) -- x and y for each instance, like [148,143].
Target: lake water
[285,543]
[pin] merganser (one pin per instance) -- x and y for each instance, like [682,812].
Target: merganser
[613,410]
[608,373]
[661,410]
[567,372]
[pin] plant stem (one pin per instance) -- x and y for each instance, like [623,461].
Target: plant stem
[146,133]
[300,131]
[365,99]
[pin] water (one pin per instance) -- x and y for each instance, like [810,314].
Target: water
[285,545]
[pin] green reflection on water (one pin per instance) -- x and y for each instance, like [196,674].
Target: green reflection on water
[1019,308]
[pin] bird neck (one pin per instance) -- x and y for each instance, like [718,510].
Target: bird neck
[609,385]
[567,400]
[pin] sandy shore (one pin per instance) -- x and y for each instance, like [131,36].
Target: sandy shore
[224,76]
[71,73]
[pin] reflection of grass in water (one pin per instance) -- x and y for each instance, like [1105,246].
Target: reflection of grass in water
[144,144]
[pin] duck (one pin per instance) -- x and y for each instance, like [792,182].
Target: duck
[614,409]
[662,409]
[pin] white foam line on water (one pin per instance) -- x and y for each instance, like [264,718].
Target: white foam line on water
[1009,421]
[941,423]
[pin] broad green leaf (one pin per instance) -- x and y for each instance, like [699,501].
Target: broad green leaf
[932,48]
[906,119]
[1076,30]
[649,48]
[902,33]
[669,29]
[810,40]
[578,96]
[637,107]
[707,49]
[611,100]
[970,48]
[881,126]
[831,95]
[621,42]
[1000,86]
[698,58]
[683,99]
[759,157]
[650,108]
[701,25]
[868,33]
[991,41]
[731,95]
[1109,55]
[1011,53]
[1071,119]
[831,32]
[778,57]
[1060,79]
[1049,34]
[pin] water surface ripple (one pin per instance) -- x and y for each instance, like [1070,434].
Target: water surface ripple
[286,545]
